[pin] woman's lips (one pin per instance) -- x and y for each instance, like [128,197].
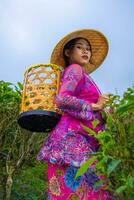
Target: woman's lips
[85,57]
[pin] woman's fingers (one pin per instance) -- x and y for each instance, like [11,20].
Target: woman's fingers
[103,100]
[105,96]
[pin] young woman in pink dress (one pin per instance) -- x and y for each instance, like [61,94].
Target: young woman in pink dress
[68,145]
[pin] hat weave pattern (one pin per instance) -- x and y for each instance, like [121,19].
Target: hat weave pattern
[99,45]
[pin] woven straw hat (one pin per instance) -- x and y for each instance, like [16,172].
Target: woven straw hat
[99,46]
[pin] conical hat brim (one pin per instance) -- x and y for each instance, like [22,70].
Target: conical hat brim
[99,46]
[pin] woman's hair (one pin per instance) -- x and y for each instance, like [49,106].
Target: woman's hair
[70,46]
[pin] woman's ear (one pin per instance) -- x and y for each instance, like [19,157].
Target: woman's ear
[67,52]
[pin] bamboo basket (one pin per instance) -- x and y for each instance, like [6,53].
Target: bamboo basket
[38,111]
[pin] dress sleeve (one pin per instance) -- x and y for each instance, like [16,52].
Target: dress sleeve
[66,99]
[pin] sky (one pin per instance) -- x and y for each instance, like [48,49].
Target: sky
[29,30]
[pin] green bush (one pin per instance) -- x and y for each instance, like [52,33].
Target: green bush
[18,147]
[30,183]
[116,154]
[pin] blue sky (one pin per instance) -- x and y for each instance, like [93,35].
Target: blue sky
[29,29]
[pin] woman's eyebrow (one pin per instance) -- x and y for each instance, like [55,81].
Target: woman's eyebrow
[78,43]
[82,44]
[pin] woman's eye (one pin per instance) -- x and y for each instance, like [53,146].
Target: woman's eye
[88,49]
[79,47]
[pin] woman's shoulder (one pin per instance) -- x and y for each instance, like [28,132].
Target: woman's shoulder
[74,69]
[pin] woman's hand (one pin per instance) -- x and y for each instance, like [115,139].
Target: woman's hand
[102,101]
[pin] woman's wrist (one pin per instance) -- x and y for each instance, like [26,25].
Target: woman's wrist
[95,106]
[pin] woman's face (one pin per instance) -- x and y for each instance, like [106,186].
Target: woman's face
[80,54]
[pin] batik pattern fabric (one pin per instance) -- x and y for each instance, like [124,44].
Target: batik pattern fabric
[68,145]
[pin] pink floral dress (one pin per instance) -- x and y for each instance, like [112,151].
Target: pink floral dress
[68,144]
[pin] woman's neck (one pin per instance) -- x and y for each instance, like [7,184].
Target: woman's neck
[85,69]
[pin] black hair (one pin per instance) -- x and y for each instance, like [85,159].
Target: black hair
[70,46]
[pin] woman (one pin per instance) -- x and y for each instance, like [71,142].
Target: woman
[68,144]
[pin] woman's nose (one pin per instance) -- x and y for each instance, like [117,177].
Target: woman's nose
[85,50]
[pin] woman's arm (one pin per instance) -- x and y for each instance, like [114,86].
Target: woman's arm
[66,99]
